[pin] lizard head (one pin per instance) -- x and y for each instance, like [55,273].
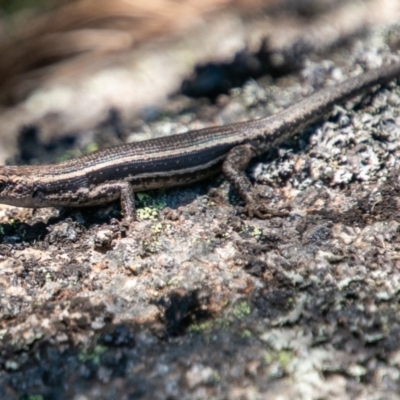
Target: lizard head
[17,186]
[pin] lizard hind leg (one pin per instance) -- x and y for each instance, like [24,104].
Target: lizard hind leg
[233,168]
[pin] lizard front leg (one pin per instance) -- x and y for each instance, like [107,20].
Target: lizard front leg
[110,191]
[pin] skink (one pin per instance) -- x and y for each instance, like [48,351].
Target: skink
[117,172]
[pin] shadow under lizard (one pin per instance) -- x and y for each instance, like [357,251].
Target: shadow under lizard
[117,172]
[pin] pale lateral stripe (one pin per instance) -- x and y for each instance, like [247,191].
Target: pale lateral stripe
[81,173]
[171,173]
